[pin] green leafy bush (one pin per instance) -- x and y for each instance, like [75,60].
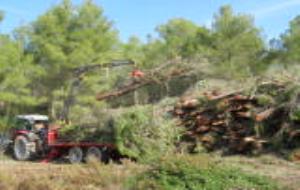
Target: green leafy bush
[194,173]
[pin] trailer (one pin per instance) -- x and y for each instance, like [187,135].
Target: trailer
[31,138]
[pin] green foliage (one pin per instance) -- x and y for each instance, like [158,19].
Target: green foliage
[68,36]
[1,15]
[139,132]
[133,50]
[199,45]
[6,122]
[16,74]
[72,132]
[264,99]
[195,172]
[36,64]
[291,40]
[237,43]
[295,114]
[65,37]
[233,44]
[155,53]
[78,133]
[176,33]
[95,126]
[144,135]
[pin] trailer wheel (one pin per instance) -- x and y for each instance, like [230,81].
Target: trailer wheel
[93,153]
[75,155]
[22,148]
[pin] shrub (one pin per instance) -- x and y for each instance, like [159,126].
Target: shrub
[193,173]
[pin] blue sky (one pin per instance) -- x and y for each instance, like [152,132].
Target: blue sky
[140,17]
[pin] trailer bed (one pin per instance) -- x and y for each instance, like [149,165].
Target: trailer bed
[81,144]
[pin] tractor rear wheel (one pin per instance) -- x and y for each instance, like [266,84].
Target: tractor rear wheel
[23,148]
[75,155]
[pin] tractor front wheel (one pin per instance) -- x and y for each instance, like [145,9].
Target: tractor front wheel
[23,148]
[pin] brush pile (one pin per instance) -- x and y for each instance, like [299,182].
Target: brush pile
[139,132]
[266,117]
[88,133]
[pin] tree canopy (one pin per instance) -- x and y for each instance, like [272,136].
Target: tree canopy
[37,62]
[237,42]
[66,37]
[291,41]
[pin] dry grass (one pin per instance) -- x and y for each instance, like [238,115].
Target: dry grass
[96,176]
[37,176]
[284,172]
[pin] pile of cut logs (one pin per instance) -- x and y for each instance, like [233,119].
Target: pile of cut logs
[238,122]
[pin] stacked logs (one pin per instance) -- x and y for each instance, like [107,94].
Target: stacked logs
[237,122]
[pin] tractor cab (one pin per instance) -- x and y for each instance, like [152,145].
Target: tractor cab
[30,123]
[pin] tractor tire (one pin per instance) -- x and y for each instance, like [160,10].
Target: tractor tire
[75,155]
[23,148]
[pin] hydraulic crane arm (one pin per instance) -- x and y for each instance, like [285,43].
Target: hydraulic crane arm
[77,78]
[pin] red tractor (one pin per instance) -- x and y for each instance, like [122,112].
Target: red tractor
[33,138]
